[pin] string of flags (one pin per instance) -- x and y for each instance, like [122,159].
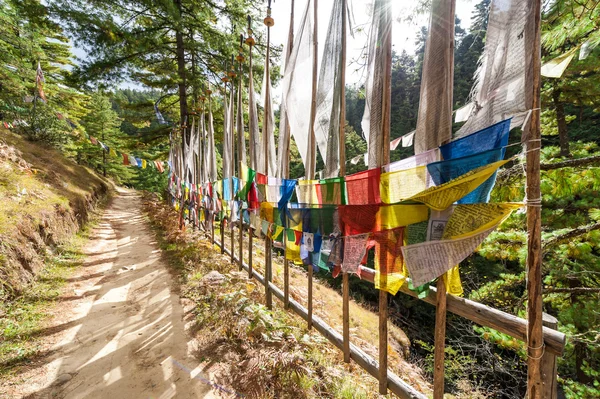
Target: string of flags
[421,216]
[129,159]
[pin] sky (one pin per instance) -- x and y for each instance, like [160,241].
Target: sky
[404,33]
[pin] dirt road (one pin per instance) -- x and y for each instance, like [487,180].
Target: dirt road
[121,332]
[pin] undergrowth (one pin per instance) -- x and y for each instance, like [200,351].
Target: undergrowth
[260,353]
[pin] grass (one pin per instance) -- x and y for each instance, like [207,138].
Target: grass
[44,199]
[269,353]
[23,319]
[327,304]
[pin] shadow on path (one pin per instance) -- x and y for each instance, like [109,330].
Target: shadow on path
[125,338]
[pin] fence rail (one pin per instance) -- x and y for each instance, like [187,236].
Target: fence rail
[483,315]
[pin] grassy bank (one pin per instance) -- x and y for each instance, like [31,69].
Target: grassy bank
[44,200]
[23,319]
[47,203]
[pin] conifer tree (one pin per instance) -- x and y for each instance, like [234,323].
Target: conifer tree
[103,123]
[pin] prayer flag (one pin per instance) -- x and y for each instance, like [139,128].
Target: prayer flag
[492,137]
[466,229]
[39,82]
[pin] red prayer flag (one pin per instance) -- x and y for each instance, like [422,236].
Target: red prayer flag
[298,236]
[363,188]
[261,179]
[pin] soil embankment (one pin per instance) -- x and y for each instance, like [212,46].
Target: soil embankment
[44,200]
[120,334]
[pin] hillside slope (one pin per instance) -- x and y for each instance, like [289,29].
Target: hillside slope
[44,199]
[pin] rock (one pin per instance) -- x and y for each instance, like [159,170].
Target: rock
[213,277]
[63,379]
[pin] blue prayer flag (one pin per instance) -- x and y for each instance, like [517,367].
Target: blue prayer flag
[495,136]
[444,171]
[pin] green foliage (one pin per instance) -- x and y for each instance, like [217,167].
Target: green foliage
[571,265]
[46,127]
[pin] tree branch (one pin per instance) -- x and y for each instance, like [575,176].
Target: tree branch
[571,163]
[575,290]
[571,234]
[505,175]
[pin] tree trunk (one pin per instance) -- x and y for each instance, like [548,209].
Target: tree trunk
[183,106]
[563,134]
[180,51]
[103,156]
[581,352]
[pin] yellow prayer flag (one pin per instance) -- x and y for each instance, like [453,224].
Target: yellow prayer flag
[400,185]
[278,231]
[391,282]
[307,192]
[393,216]
[266,211]
[442,196]
[466,229]
[452,281]
[470,219]
[292,251]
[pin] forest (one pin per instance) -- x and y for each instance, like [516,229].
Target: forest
[148,63]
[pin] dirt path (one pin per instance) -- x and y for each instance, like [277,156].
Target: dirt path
[121,333]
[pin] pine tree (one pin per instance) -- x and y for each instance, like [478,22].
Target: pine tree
[570,25]
[103,123]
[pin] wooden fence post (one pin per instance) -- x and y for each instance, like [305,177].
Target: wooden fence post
[346,316]
[232,243]
[212,228]
[440,340]
[250,250]
[241,244]
[310,296]
[549,372]
[222,236]
[268,272]
[286,273]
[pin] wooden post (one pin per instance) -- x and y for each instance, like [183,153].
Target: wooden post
[535,341]
[286,274]
[286,174]
[222,236]
[346,316]
[439,57]
[440,340]
[250,250]
[212,228]
[268,21]
[232,242]
[342,155]
[268,271]
[386,43]
[310,296]
[241,242]
[549,366]
[312,149]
